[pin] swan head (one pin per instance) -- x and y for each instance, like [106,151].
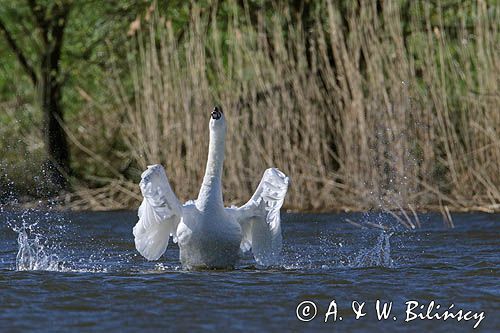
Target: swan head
[217,120]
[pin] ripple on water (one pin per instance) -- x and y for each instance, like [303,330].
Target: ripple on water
[85,275]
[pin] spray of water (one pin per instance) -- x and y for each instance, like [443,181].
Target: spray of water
[33,255]
[377,256]
[44,243]
[35,251]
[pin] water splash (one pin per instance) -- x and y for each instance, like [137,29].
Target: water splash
[161,267]
[46,241]
[32,254]
[37,253]
[377,256]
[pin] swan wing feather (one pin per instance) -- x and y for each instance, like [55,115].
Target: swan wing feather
[260,218]
[159,214]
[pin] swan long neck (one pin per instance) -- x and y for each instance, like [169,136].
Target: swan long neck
[210,195]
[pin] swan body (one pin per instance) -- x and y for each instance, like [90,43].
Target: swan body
[210,235]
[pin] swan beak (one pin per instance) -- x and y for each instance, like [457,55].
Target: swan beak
[216,113]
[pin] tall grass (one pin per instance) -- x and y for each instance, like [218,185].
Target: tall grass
[361,108]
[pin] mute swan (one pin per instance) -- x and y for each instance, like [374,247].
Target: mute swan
[208,234]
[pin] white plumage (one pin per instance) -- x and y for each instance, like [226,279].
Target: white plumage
[208,234]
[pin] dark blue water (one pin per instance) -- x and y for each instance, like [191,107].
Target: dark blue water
[80,272]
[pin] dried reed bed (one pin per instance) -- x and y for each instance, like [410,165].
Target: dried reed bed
[362,109]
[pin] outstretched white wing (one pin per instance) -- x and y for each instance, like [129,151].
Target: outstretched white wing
[159,213]
[260,218]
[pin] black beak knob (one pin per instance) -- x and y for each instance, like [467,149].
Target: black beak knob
[216,113]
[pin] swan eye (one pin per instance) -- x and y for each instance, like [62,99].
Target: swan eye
[216,113]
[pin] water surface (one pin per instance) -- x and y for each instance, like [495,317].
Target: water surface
[80,272]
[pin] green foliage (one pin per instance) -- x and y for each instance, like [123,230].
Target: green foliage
[100,46]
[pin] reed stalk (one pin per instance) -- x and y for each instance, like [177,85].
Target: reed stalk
[378,105]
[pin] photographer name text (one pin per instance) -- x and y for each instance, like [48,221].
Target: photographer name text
[414,310]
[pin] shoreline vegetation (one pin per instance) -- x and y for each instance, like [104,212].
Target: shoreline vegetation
[384,105]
